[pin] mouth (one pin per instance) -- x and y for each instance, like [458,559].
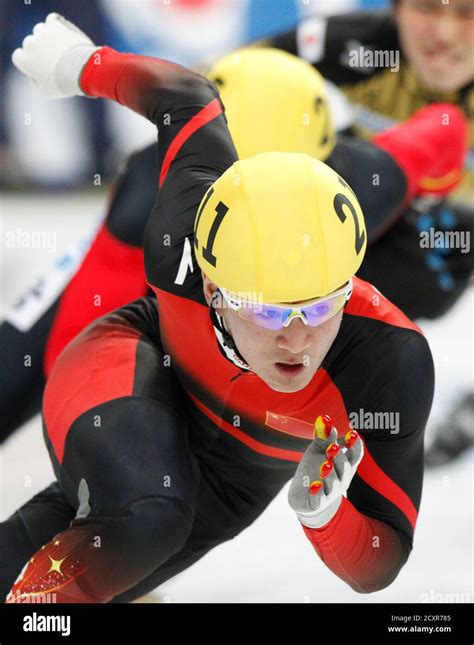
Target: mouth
[289,369]
[436,56]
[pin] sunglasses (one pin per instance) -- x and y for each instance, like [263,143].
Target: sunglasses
[277,316]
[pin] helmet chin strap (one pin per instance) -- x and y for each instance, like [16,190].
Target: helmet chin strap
[226,342]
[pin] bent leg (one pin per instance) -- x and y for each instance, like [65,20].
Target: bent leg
[92,278]
[119,445]
[223,511]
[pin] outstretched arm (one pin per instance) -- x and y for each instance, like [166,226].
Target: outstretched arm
[195,146]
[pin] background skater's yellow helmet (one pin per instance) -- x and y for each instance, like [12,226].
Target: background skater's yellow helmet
[284,226]
[274,102]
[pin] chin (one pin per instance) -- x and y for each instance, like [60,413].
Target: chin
[441,81]
[288,387]
[441,85]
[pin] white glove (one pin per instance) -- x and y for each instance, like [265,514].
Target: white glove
[54,55]
[324,474]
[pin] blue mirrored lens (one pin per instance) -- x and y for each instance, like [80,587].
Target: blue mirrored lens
[273,318]
[321,311]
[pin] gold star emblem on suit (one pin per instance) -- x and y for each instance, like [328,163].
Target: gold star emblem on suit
[55,565]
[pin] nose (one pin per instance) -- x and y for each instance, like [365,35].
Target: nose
[445,30]
[295,338]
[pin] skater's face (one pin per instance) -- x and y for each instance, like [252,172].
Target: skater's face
[437,38]
[286,359]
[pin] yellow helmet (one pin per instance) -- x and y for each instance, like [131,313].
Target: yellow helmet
[284,226]
[274,102]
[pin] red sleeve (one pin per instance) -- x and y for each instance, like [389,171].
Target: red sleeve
[364,552]
[127,78]
[430,148]
[157,89]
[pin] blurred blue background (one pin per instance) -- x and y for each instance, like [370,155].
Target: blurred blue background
[66,144]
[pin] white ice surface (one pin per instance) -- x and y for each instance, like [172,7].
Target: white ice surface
[271,561]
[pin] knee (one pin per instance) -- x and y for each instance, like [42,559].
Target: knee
[135,541]
[159,527]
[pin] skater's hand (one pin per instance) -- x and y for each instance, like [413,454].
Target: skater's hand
[54,55]
[324,474]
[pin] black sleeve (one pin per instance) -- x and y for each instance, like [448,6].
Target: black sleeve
[198,162]
[195,146]
[390,412]
[327,42]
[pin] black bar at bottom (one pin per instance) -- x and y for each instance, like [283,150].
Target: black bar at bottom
[450,623]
